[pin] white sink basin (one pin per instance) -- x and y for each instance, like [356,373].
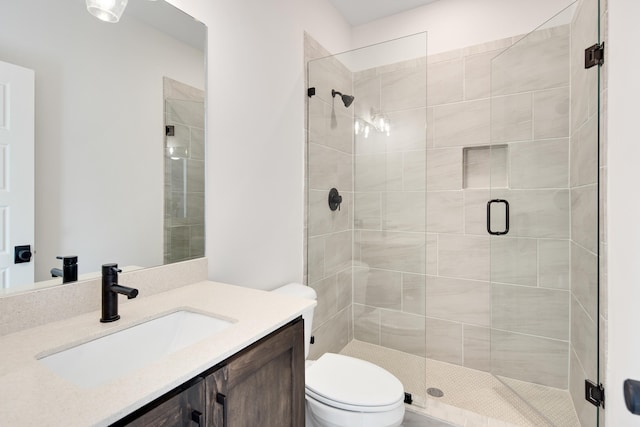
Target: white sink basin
[104,359]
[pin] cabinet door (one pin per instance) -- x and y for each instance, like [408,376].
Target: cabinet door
[262,386]
[185,409]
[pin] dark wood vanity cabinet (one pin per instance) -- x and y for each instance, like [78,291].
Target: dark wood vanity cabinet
[262,385]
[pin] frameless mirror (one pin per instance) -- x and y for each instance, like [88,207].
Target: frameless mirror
[119,135]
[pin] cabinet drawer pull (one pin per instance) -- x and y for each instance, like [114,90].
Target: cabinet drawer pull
[222,400]
[197,417]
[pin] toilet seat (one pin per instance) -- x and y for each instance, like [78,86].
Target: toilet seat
[352,384]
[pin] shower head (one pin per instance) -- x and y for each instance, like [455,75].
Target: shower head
[346,99]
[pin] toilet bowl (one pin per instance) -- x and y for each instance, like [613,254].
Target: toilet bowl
[342,391]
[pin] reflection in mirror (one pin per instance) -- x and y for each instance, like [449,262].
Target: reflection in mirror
[101,110]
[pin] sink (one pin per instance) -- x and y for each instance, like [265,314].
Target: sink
[102,360]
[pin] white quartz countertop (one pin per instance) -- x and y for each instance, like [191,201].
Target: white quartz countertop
[31,394]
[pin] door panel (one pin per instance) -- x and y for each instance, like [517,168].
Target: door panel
[16,171]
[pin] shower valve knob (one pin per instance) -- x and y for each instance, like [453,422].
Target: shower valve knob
[335,199]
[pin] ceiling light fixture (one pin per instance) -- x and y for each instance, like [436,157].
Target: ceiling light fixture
[107,10]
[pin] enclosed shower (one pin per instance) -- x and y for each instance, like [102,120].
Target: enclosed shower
[463,256]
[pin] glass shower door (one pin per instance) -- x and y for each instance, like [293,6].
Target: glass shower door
[366,257]
[542,219]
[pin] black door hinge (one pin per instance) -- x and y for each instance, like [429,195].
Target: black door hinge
[311,91]
[594,55]
[594,393]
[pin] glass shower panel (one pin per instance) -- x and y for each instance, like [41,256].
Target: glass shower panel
[542,219]
[184,172]
[367,259]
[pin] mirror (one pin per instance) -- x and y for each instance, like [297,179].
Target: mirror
[106,187]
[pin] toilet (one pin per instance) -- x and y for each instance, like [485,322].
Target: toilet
[342,391]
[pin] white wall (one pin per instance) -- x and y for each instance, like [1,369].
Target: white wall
[623,208]
[255,164]
[453,24]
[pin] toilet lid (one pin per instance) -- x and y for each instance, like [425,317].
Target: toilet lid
[353,384]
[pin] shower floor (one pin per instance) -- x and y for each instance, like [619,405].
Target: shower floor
[471,398]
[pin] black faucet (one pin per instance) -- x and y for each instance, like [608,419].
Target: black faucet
[110,291]
[69,271]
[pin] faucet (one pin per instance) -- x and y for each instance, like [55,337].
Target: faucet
[110,291]
[69,271]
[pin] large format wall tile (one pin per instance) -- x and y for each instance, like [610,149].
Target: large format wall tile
[404,88]
[584,216]
[400,251]
[432,254]
[554,264]
[368,210]
[528,310]
[584,284]
[315,258]
[511,118]
[584,154]
[475,212]
[444,169]
[366,324]
[408,130]
[404,211]
[465,301]
[551,113]
[366,89]
[464,257]
[329,168]
[584,339]
[444,212]
[337,252]
[538,213]
[323,220]
[527,358]
[536,62]
[378,172]
[444,82]
[327,294]
[477,347]
[540,164]
[413,293]
[444,340]
[378,288]
[402,331]
[462,124]
[328,73]
[513,260]
[477,75]
[414,171]
[587,413]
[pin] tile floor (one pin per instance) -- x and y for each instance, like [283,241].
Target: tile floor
[471,398]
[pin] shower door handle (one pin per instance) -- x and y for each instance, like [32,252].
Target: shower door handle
[506,212]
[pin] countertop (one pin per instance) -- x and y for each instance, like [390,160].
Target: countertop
[31,394]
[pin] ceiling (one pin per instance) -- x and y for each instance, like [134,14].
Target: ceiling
[358,12]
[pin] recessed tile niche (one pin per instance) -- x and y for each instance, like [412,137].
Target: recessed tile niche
[485,167]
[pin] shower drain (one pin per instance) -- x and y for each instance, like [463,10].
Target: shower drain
[435,392]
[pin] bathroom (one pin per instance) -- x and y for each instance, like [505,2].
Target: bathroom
[258,122]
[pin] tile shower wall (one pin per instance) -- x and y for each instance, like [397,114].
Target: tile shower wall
[184,231]
[390,245]
[449,298]
[329,240]
[530,266]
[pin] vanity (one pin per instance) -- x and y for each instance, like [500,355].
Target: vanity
[249,373]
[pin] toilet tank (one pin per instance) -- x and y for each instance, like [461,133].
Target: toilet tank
[301,291]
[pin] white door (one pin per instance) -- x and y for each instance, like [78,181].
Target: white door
[17,104]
